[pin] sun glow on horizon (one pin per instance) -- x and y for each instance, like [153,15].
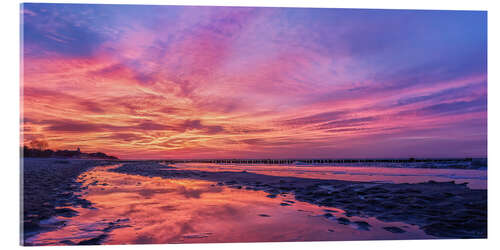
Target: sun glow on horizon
[159,82]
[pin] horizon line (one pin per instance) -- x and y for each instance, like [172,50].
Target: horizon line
[311,159]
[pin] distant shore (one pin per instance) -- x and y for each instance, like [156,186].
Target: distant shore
[74,154]
[444,163]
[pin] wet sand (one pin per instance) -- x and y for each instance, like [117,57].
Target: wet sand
[148,202]
[442,209]
[134,209]
[391,173]
[50,189]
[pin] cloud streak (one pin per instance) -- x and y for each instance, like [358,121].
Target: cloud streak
[226,82]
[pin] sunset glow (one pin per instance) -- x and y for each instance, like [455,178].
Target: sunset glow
[143,82]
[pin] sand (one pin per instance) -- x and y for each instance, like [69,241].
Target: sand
[442,209]
[49,189]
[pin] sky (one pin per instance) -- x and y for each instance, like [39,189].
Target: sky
[164,82]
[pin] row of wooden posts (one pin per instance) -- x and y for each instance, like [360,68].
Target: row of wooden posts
[313,161]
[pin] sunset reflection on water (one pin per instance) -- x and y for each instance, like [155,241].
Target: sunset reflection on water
[131,209]
[475,179]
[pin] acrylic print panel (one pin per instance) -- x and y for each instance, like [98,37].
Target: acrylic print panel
[175,124]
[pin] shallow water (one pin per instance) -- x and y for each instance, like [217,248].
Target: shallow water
[476,179]
[131,209]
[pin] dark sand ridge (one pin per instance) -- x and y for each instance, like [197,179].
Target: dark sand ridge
[442,209]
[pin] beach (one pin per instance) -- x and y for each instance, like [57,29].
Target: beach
[49,189]
[70,202]
[159,124]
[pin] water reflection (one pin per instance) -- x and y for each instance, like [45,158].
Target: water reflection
[476,179]
[130,209]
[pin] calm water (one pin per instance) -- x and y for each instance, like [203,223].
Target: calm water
[476,179]
[130,209]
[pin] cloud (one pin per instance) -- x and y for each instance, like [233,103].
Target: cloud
[197,125]
[92,106]
[452,108]
[84,127]
[150,125]
[348,122]
[126,137]
[342,130]
[65,39]
[76,126]
[317,118]
[69,101]
[447,94]
[175,81]
[110,71]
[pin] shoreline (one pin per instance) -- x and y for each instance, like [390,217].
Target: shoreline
[442,209]
[49,189]
[425,163]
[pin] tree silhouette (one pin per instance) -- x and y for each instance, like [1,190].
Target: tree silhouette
[39,144]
